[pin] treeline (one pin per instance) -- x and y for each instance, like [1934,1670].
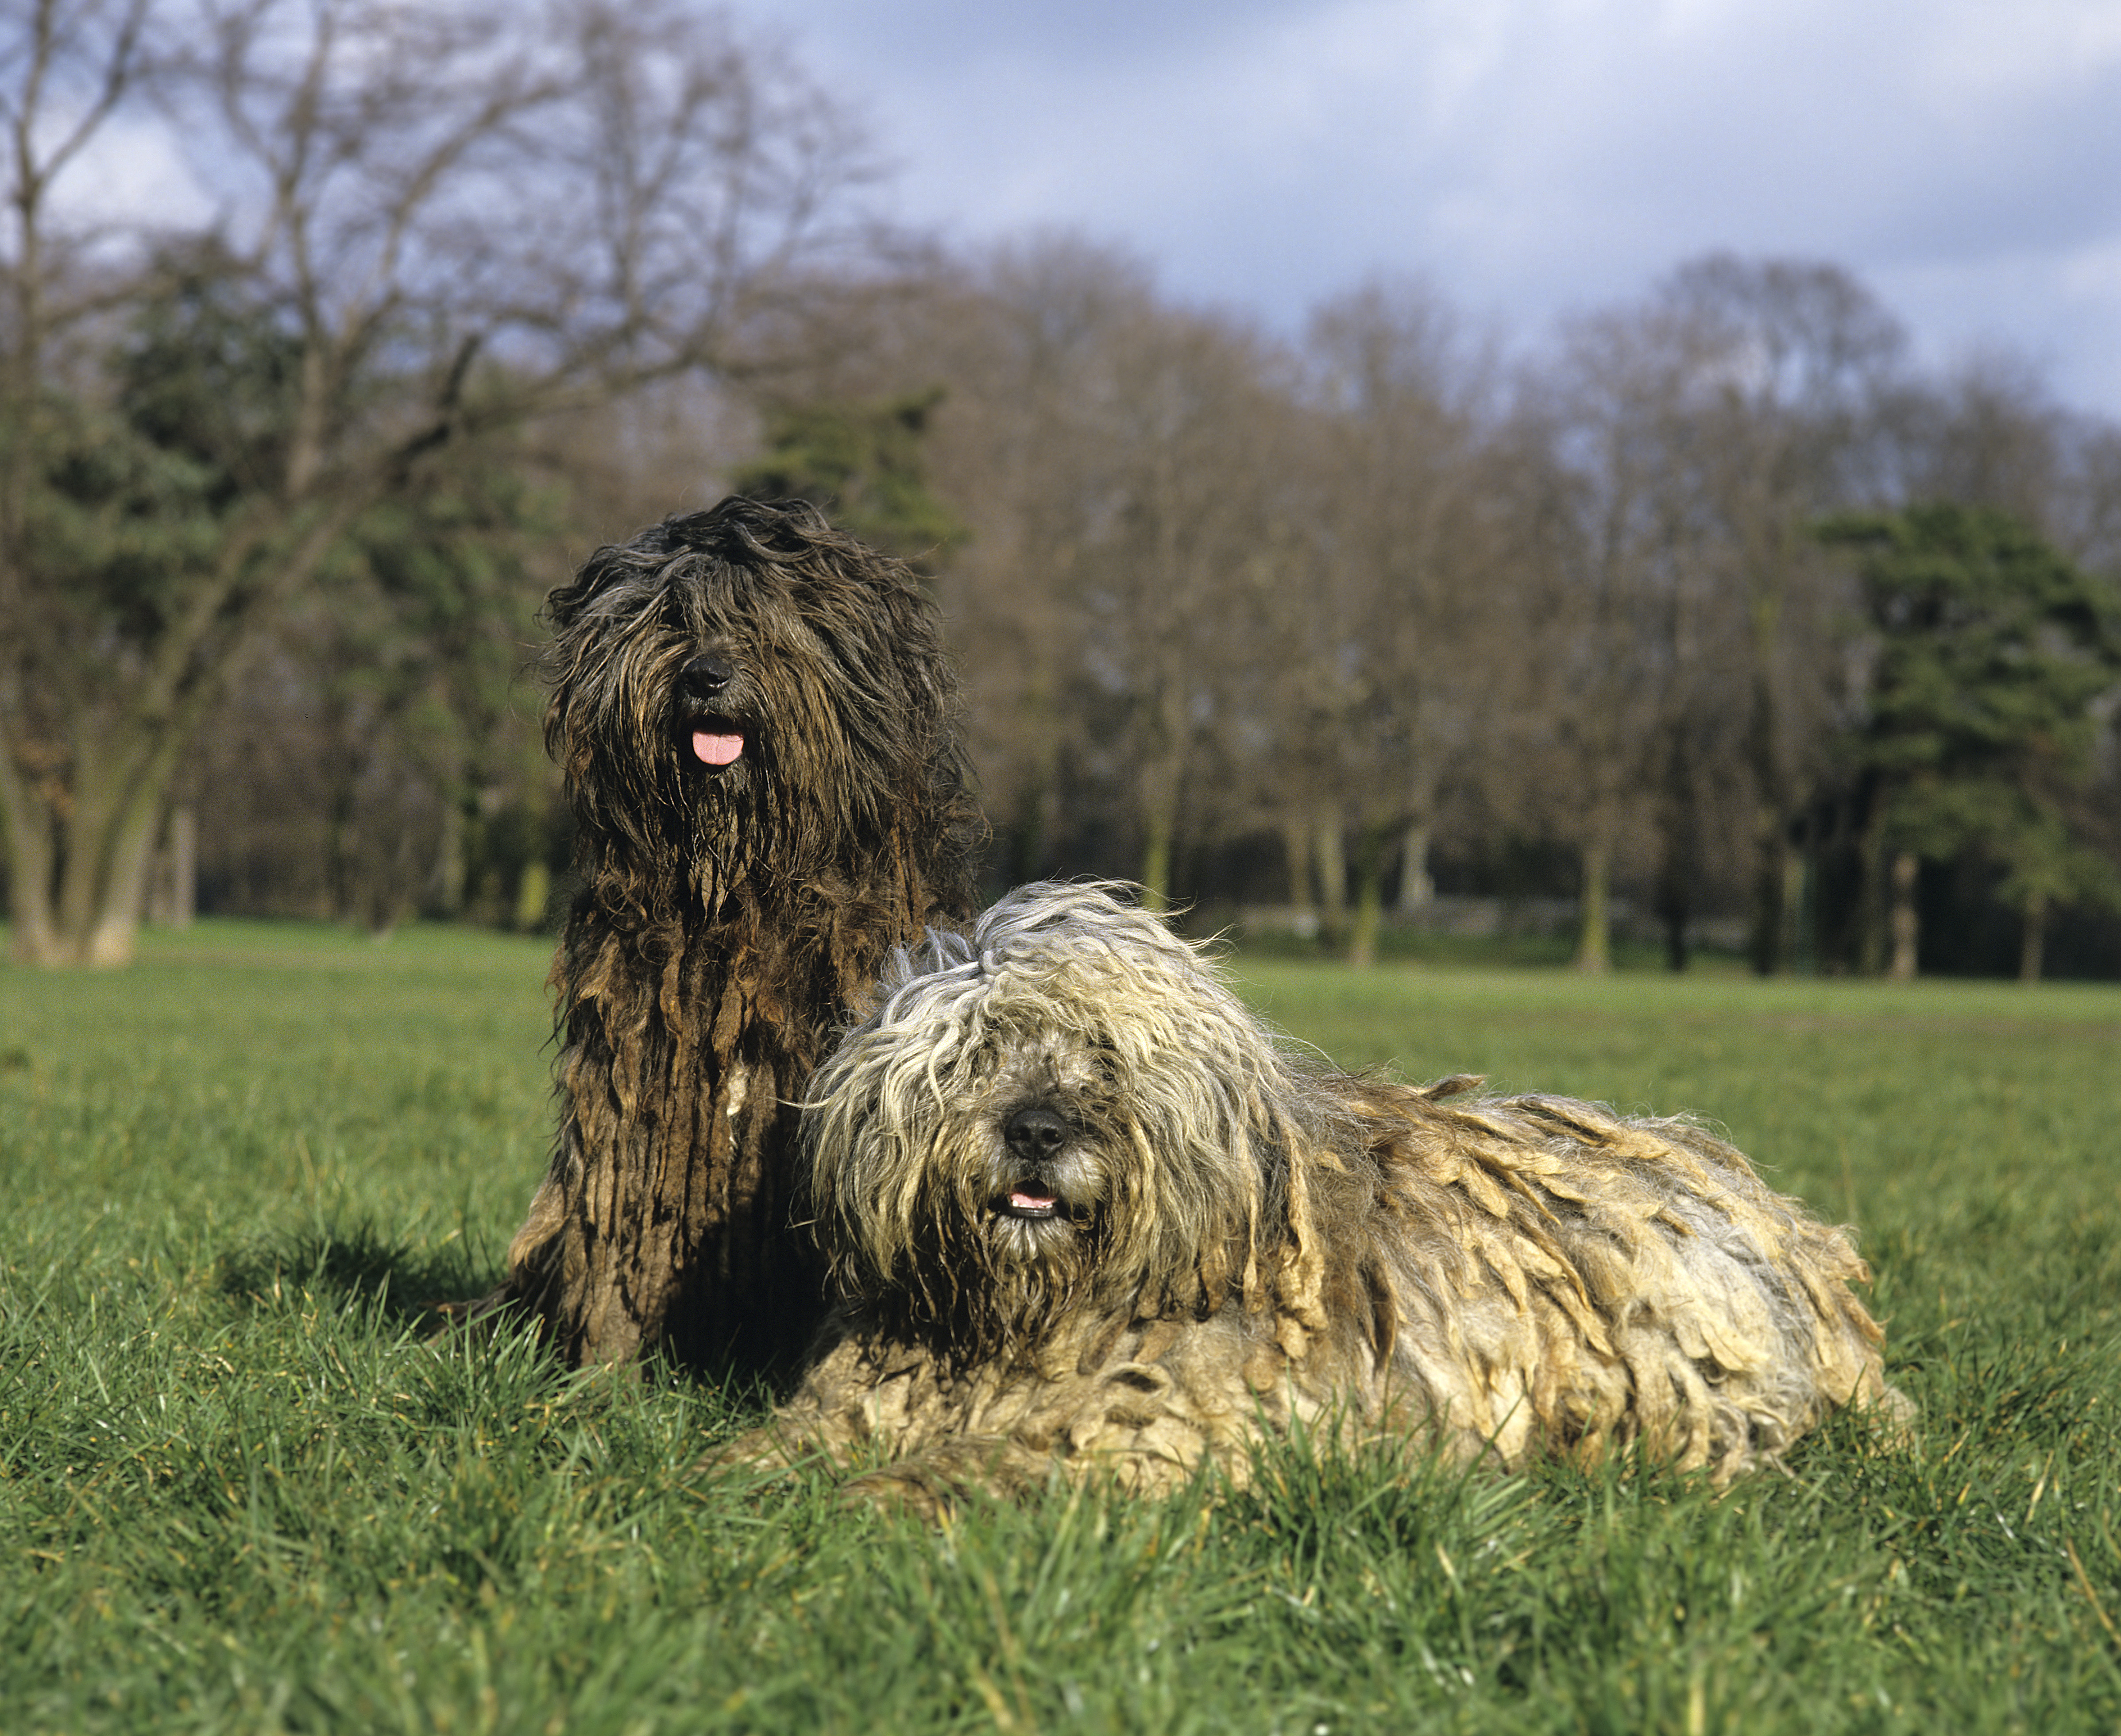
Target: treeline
[1715,597]
[1714,602]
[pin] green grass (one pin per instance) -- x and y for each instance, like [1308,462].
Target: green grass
[241,1489]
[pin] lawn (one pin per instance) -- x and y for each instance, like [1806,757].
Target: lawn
[242,1488]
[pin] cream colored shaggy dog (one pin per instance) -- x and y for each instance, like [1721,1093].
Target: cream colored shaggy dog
[1083,1211]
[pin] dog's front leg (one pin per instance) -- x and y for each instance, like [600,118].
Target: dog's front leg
[933,1483]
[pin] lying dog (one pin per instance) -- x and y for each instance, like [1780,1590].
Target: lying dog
[1083,1210]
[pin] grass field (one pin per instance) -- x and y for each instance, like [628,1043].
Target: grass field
[241,1489]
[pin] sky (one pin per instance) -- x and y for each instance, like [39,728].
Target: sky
[1528,158]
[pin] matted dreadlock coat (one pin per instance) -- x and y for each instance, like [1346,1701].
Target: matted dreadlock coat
[759,731]
[1085,1213]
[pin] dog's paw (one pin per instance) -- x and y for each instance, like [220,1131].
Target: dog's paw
[769,1449]
[908,1488]
[933,1483]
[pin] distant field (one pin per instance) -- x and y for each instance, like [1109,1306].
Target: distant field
[240,1489]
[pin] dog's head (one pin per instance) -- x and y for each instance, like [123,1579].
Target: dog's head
[741,685]
[1069,1110]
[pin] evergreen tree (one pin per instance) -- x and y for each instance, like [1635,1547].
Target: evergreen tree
[1991,650]
[863,465]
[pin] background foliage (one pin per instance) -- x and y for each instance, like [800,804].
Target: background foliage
[1391,625]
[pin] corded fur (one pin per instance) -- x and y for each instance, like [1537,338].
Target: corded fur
[727,915]
[1240,1235]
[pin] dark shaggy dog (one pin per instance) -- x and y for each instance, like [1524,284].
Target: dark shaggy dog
[759,731]
[1085,1212]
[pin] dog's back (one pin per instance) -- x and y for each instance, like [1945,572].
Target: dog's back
[1560,1279]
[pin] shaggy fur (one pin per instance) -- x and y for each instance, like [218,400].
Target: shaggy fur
[1082,1209]
[759,731]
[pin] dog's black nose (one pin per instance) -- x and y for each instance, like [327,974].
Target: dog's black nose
[704,678]
[1034,1135]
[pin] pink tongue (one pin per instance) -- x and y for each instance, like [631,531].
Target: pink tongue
[717,750]
[1030,1202]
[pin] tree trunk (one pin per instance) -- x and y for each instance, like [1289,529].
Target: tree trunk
[1873,904]
[1675,917]
[1417,890]
[1905,921]
[1675,899]
[82,905]
[534,892]
[26,823]
[1799,952]
[446,883]
[1296,851]
[1679,826]
[1332,884]
[1594,946]
[1157,827]
[122,897]
[1161,776]
[174,894]
[1372,850]
[95,817]
[1766,940]
[339,841]
[1038,814]
[2033,943]
[82,837]
[1039,729]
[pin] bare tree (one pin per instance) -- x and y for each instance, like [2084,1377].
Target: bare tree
[1030,341]
[1396,644]
[1197,425]
[1785,367]
[437,225]
[67,69]
[1110,457]
[1702,432]
[1602,539]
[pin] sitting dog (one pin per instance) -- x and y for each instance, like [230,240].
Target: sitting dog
[1083,1210]
[759,730]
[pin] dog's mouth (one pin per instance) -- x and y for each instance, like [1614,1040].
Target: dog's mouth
[1037,1136]
[715,740]
[1031,1199]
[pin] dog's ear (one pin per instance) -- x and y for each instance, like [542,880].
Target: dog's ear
[705,531]
[943,948]
[1273,1251]
[1296,1281]
[614,564]
[739,529]
[565,604]
[940,951]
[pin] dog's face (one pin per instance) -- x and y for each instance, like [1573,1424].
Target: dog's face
[742,684]
[1039,1170]
[1068,1110]
[727,667]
